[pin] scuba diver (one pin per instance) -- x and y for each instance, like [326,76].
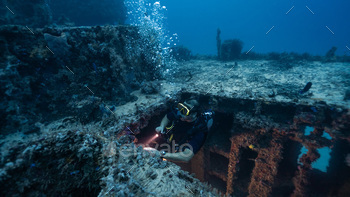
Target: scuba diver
[188,129]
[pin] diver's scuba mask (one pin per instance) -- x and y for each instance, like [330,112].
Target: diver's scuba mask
[186,113]
[184,110]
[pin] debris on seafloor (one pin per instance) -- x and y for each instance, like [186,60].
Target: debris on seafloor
[306,88]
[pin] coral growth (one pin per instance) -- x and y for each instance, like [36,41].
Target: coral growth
[330,55]
[181,53]
[231,49]
[49,73]
[64,163]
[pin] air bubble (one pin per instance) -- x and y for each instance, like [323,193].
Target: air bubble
[151,28]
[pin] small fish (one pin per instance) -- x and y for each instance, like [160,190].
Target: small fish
[95,67]
[313,109]
[306,88]
[74,172]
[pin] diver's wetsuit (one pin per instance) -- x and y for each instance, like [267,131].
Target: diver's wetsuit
[194,133]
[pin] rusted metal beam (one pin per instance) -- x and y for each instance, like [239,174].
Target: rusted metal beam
[265,170]
[233,160]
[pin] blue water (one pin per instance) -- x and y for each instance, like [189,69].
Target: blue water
[308,130]
[322,162]
[326,135]
[303,151]
[301,30]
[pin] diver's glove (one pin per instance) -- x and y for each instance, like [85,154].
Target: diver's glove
[160,129]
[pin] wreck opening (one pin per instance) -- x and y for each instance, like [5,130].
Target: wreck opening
[217,183]
[287,169]
[335,181]
[218,163]
[244,170]
[210,164]
[278,112]
[220,133]
[144,137]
